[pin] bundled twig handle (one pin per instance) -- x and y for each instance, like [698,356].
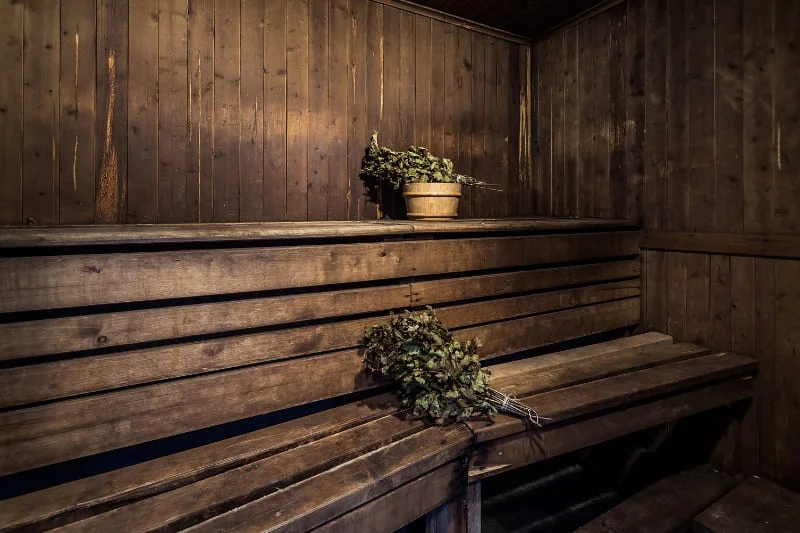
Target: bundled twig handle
[508,404]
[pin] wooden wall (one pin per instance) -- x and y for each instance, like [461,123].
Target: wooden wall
[686,114]
[163,111]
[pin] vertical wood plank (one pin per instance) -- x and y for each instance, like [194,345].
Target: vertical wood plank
[635,108]
[251,96]
[227,17]
[339,85]
[479,168]
[483,200]
[586,97]
[172,111]
[358,135]
[766,380]
[41,112]
[374,66]
[463,161]
[743,341]
[111,128]
[142,116]
[77,112]
[676,274]
[318,134]
[616,142]
[503,133]
[517,187]
[601,71]
[390,117]
[757,158]
[786,395]
[786,79]
[544,129]
[275,95]
[11,107]
[422,88]
[655,186]
[406,81]
[697,303]
[728,61]
[678,118]
[572,123]
[297,111]
[199,151]
[719,333]
[437,87]
[557,126]
[451,103]
[656,301]
[700,65]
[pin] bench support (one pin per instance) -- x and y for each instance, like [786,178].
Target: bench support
[461,515]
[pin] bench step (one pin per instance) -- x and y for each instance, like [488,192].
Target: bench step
[666,506]
[755,506]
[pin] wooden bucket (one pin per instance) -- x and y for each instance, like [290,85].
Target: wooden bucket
[432,201]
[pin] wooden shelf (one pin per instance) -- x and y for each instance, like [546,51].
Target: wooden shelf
[30,237]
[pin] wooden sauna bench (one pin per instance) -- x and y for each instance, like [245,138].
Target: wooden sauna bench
[210,376]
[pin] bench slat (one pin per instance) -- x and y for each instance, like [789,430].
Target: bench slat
[30,283]
[79,427]
[75,500]
[666,506]
[38,338]
[755,506]
[302,505]
[523,448]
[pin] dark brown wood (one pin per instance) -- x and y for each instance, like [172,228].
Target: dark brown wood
[251,100]
[114,51]
[173,111]
[339,84]
[744,244]
[678,118]
[40,149]
[319,499]
[12,115]
[403,505]
[142,120]
[318,87]
[358,204]
[77,114]
[655,179]
[635,107]
[48,282]
[199,150]
[77,499]
[275,121]
[227,112]
[756,506]
[667,506]
[529,447]
[297,112]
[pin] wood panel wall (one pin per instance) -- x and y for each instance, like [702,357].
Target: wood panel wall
[707,143]
[163,111]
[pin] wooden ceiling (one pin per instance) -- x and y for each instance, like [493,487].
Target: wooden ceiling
[529,18]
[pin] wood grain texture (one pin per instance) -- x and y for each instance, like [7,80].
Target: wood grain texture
[11,116]
[275,121]
[39,283]
[739,244]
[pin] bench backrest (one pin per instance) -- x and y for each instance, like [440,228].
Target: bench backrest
[112,337]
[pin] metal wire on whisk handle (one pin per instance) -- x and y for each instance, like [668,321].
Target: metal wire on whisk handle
[508,404]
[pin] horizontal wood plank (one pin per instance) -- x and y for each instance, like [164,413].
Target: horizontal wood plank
[755,506]
[79,427]
[403,505]
[667,506]
[744,244]
[32,237]
[72,501]
[382,450]
[71,377]
[30,283]
[36,338]
[615,391]
[529,447]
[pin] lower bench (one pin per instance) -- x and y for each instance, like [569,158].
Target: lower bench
[331,470]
